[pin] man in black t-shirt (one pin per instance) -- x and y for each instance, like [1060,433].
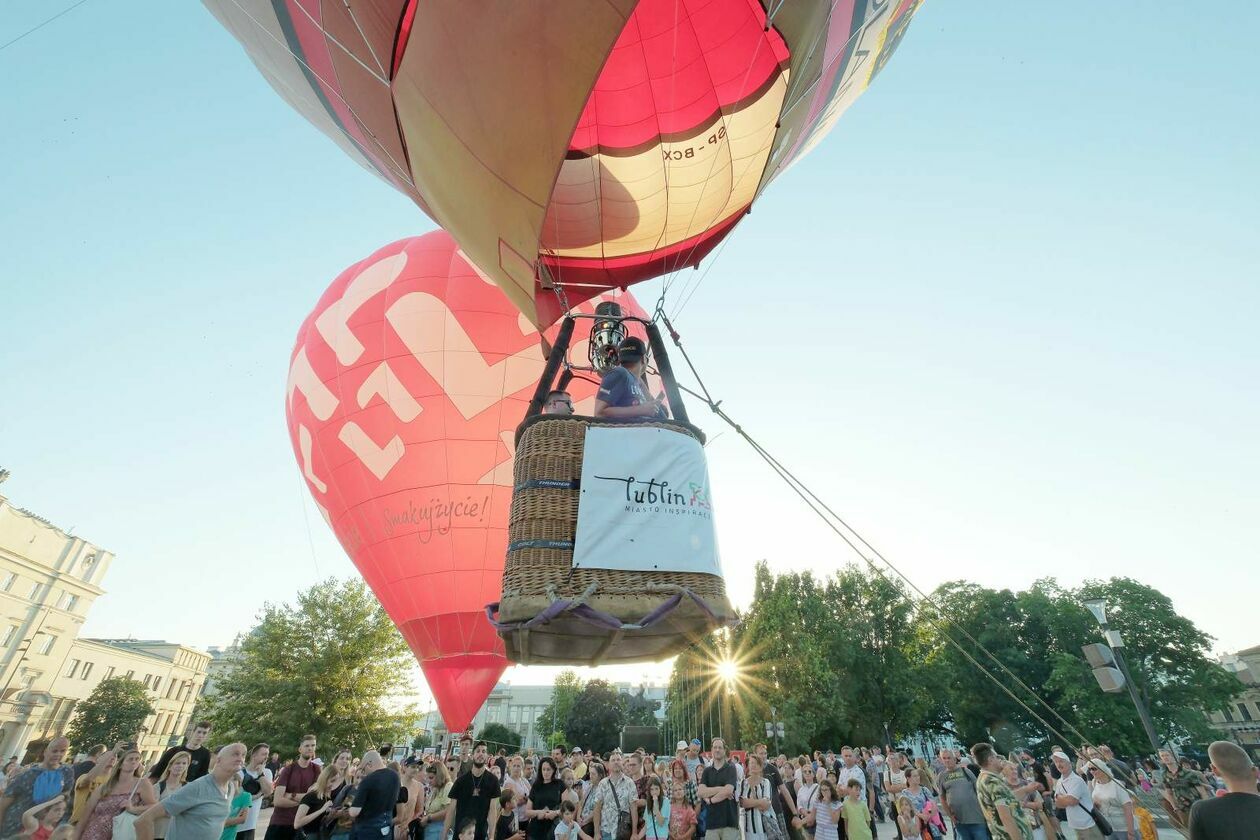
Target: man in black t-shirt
[717,790]
[476,797]
[375,799]
[194,744]
[1236,815]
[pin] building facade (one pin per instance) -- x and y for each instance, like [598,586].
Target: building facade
[49,579]
[172,673]
[48,582]
[1240,722]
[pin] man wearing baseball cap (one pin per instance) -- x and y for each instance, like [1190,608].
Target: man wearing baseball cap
[623,392]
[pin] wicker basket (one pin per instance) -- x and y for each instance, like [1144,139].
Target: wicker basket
[539,577]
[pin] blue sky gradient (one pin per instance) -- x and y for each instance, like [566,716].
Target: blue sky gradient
[1003,318]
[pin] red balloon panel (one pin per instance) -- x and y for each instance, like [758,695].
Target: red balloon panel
[405,388]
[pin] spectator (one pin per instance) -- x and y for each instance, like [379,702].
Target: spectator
[256,779]
[316,805]
[85,784]
[682,811]
[544,801]
[586,808]
[717,790]
[1112,801]
[89,763]
[41,822]
[567,828]
[433,820]
[1234,815]
[476,797]
[957,787]
[291,785]
[1180,788]
[194,744]
[1006,817]
[779,795]
[376,798]
[35,786]
[199,809]
[173,778]
[806,795]
[825,818]
[755,801]
[655,824]
[1072,794]
[614,797]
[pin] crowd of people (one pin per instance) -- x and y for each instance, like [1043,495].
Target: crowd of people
[474,793]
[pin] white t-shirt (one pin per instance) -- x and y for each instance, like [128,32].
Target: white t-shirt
[1074,785]
[893,777]
[1110,800]
[805,797]
[255,808]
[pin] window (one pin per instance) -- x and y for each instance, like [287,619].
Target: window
[170,689]
[148,678]
[72,669]
[87,669]
[8,635]
[9,580]
[46,646]
[34,593]
[157,683]
[131,675]
[1244,711]
[109,672]
[69,602]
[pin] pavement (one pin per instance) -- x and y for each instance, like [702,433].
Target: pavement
[885,831]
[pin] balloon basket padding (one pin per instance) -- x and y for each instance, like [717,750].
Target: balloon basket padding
[551,613]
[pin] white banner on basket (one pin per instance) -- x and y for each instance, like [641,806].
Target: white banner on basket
[645,502]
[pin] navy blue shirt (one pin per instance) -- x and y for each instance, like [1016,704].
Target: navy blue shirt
[620,388]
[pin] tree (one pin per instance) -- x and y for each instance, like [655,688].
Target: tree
[327,665]
[113,712]
[597,717]
[421,741]
[564,692]
[497,735]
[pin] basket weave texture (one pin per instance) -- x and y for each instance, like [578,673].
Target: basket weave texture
[552,449]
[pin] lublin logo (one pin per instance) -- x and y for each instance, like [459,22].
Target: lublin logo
[657,496]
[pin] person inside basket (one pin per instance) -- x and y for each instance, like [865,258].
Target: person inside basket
[558,402]
[623,392]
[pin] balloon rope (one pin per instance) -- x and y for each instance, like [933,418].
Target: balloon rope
[855,541]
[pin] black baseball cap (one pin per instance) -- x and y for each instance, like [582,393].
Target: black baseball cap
[631,349]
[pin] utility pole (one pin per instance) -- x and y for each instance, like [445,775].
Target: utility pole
[1115,644]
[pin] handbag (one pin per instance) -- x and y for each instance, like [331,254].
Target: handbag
[624,829]
[124,820]
[1104,825]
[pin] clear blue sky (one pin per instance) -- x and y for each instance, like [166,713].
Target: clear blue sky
[1004,318]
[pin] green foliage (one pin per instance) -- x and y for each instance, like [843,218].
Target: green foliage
[497,735]
[596,717]
[564,694]
[422,741]
[836,659]
[326,665]
[113,712]
[556,739]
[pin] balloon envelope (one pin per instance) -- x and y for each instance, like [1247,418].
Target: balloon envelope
[591,143]
[405,388]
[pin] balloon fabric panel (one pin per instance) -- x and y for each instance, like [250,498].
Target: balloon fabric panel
[405,387]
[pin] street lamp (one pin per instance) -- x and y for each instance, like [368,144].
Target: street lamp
[1098,609]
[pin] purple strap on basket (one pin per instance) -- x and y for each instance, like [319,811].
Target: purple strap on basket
[591,615]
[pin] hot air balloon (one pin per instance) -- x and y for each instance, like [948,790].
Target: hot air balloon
[573,143]
[405,388]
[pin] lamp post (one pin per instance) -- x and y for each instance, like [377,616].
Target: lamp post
[1098,608]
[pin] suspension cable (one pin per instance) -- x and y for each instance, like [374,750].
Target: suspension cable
[852,538]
